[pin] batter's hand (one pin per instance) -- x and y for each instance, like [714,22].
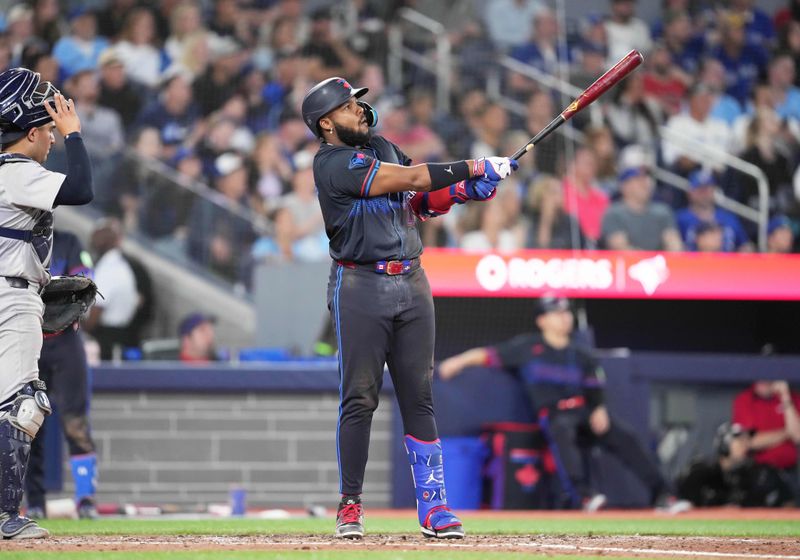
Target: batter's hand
[62,111]
[494,168]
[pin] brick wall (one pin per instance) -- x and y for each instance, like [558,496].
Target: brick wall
[190,449]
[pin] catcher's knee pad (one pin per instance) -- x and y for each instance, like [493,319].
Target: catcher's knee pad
[426,466]
[28,409]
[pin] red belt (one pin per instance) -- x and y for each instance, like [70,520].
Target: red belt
[391,268]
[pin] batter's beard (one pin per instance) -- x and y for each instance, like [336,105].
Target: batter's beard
[352,137]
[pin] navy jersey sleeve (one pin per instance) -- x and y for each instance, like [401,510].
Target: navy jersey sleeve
[347,171]
[594,379]
[513,353]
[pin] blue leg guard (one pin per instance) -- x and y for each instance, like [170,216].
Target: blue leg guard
[84,474]
[435,518]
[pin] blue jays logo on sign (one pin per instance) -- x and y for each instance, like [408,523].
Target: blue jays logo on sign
[358,160]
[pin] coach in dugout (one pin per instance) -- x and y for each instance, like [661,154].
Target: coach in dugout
[769,410]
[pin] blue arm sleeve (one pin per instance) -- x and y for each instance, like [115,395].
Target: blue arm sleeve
[77,188]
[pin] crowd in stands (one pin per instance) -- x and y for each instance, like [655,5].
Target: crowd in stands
[210,89]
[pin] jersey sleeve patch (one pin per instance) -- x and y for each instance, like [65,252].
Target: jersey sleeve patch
[358,160]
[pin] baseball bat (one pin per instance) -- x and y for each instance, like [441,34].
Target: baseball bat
[612,76]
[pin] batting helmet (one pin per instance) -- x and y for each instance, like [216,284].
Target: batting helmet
[22,98]
[325,97]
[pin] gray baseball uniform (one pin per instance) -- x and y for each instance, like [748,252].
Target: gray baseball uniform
[27,195]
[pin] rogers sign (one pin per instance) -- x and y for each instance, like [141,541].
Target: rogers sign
[494,273]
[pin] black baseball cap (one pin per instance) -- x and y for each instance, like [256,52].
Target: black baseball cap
[549,303]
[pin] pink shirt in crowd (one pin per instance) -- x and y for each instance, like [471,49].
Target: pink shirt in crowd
[588,208]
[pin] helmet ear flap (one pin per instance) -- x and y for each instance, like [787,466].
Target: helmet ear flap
[369,113]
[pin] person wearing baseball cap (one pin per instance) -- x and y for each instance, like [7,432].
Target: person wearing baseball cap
[780,235]
[702,209]
[565,384]
[196,331]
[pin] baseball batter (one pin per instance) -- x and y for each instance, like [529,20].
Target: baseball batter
[30,110]
[380,301]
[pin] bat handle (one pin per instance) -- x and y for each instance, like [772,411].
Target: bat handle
[523,150]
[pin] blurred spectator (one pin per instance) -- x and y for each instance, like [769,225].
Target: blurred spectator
[173,113]
[723,106]
[110,317]
[744,61]
[708,238]
[703,210]
[231,21]
[218,238]
[786,15]
[137,47]
[132,179]
[111,18]
[769,409]
[551,152]
[625,31]
[272,170]
[116,90]
[763,149]
[221,79]
[542,48]
[785,95]
[591,64]
[326,53]
[82,47]
[494,232]
[508,22]
[758,25]
[198,338]
[551,226]
[790,44]
[19,30]
[278,247]
[493,124]
[565,385]
[780,235]
[685,47]
[419,141]
[731,477]
[101,127]
[633,117]
[695,124]
[601,142]
[165,205]
[664,81]
[46,21]
[185,25]
[309,239]
[636,222]
[583,198]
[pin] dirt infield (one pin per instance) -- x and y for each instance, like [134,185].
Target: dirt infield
[636,546]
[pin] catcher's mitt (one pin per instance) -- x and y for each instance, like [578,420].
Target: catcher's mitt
[65,299]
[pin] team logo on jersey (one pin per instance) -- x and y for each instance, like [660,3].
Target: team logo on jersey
[358,160]
[344,83]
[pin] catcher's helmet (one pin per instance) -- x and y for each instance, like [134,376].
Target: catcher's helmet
[325,97]
[22,98]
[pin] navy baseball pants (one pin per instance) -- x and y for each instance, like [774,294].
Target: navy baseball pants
[380,320]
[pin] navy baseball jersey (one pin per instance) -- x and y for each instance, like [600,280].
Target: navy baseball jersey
[69,257]
[364,228]
[551,374]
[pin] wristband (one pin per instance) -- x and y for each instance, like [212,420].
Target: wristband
[445,174]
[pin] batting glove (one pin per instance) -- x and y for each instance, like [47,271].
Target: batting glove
[494,168]
[480,188]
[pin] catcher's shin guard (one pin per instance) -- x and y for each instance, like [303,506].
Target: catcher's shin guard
[435,518]
[15,449]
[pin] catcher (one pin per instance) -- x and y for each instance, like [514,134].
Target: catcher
[30,112]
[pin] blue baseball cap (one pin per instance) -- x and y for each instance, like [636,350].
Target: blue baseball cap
[778,222]
[192,321]
[549,303]
[631,172]
[701,178]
